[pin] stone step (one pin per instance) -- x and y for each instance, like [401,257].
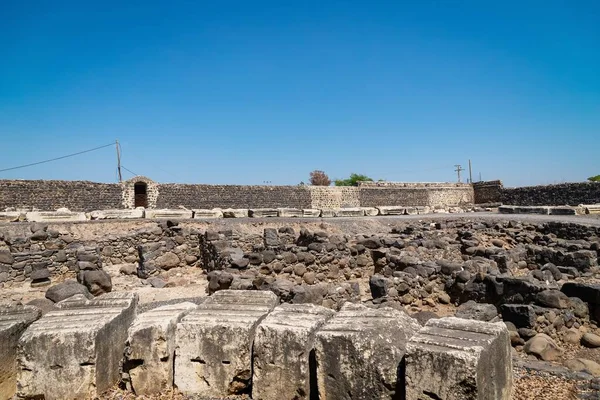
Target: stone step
[152,213]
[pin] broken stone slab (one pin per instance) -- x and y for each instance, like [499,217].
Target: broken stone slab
[543,210]
[213,355]
[327,213]
[204,214]
[350,212]
[283,351]
[562,211]
[262,212]
[235,213]
[419,210]
[290,212]
[55,216]
[76,351]
[117,214]
[11,216]
[311,213]
[168,213]
[359,352]
[150,348]
[591,208]
[370,211]
[391,210]
[13,322]
[456,359]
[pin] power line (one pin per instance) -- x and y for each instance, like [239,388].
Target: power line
[128,170]
[57,158]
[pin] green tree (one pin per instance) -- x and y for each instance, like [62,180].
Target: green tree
[591,178]
[353,180]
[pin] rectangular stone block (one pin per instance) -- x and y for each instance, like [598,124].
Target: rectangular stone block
[118,214]
[311,213]
[204,214]
[391,210]
[562,211]
[55,216]
[507,210]
[152,213]
[459,359]
[359,352]
[591,208]
[289,212]
[235,213]
[13,322]
[213,355]
[11,216]
[283,352]
[76,352]
[262,212]
[150,348]
[327,213]
[350,212]
[370,211]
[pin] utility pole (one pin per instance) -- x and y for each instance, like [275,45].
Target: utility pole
[458,169]
[119,160]
[470,172]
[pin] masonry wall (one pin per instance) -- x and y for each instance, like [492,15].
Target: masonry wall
[51,195]
[232,196]
[487,192]
[571,194]
[374,194]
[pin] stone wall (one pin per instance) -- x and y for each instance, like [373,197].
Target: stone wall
[52,195]
[571,194]
[487,192]
[375,194]
[232,196]
[330,197]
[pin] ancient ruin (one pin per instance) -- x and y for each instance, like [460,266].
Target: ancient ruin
[369,292]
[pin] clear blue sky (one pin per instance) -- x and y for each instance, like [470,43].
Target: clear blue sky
[253,91]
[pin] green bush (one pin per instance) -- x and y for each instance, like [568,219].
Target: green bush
[353,180]
[594,178]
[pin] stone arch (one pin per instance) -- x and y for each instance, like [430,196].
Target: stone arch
[139,191]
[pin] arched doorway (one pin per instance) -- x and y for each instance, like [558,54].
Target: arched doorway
[141,194]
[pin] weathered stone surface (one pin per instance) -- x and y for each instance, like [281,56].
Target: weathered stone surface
[552,299]
[283,352]
[118,214]
[359,352]
[562,211]
[456,359]
[151,348]
[214,342]
[204,214]
[55,216]
[391,210]
[522,315]
[65,290]
[262,212]
[590,340]
[167,261]
[11,216]
[370,211]
[6,257]
[506,209]
[290,212]
[542,346]
[75,352]
[477,311]
[97,282]
[13,322]
[311,213]
[583,365]
[326,213]
[235,213]
[168,214]
[350,212]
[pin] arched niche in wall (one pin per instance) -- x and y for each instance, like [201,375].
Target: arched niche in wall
[139,191]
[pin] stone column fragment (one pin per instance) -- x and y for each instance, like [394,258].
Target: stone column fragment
[13,322]
[151,348]
[359,353]
[75,352]
[213,355]
[459,359]
[283,352]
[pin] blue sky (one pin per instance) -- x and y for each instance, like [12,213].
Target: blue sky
[253,91]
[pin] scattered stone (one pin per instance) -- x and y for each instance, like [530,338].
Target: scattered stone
[590,340]
[65,290]
[583,365]
[476,311]
[97,282]
[544,347]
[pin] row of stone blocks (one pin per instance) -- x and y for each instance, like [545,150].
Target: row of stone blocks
[243,342]
[544,210]
[69,216]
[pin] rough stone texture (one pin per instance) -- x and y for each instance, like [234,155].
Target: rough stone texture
[66,289]
[213,213]
[376,194]
[118,214]
[350,212]
[289,212]
[13,322]
[311,213]
[330,197]
[235,213]
[562,194]
[214,342]
[262,212]
[151,348]
[169,213]
[456,359]
[52,195]
[510,209]
[75,352]
[359,352]
[370,211]
[55,216]
[391,210]
[487,192]
[283,352]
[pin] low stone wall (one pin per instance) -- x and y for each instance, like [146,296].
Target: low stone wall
[564,194]
[487,192]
